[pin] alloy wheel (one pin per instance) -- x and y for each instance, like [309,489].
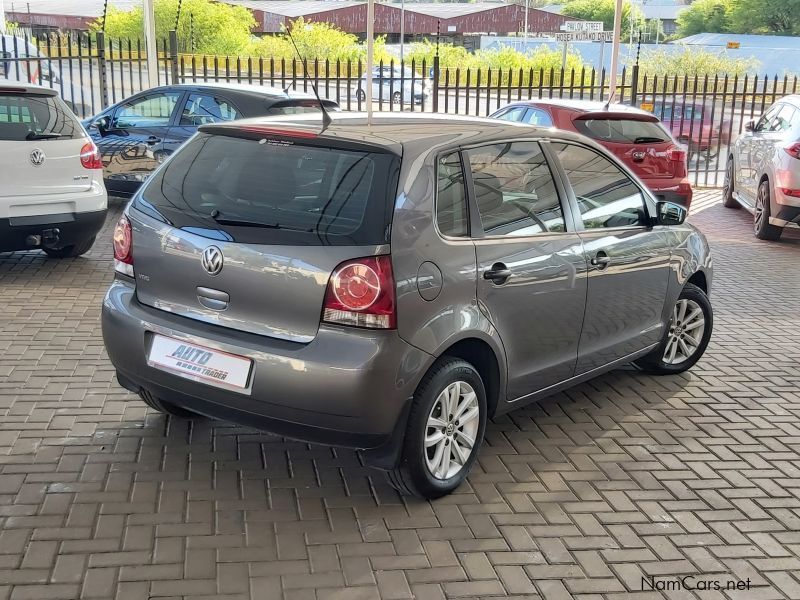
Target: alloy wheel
[758,215]
[685,331]
[451,430]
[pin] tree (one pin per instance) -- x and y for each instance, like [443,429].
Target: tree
[705,16]
[603,10]
[216,28]
[691,61]
[780,17]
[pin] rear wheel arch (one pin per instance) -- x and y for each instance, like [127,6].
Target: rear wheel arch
[483,357]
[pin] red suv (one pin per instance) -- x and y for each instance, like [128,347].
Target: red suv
[635,136]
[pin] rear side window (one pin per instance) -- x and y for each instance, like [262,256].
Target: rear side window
[276,192]
[622,131]
[201,109]
[36,117]
[451,203]
[514,190]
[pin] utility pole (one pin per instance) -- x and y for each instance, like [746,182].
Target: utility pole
[150,43]
[370,56]
[526,22]
[402,29]
[612,76]
[2,17]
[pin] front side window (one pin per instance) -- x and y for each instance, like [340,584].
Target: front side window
[151,111]
[514,190]
[606,196]
[512,114]
[765,122]
[538,117]
[201,109]
[451,203]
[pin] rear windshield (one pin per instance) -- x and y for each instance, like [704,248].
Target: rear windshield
[624,131]
[36,117]
[252,191]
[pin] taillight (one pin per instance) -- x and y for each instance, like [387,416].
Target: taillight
[90,156]
[793,150]
[790,192]
[361,294]
[678,156]
[123,247]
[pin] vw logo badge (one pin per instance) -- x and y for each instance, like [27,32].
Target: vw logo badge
[37,158]
[212,260]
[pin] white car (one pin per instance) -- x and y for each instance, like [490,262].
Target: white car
[763,170]
[393,84]
[52,195]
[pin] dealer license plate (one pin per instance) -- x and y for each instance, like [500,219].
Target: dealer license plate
[199,363]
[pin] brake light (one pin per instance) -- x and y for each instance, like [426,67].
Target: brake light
[294,133]
[793,150]
[123,247]
[90,156]
[361,294]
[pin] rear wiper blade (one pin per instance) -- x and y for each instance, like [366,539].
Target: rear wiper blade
[235,222]
[44,136]
[648,140]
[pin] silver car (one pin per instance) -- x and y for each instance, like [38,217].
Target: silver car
[763,170]
[391,286]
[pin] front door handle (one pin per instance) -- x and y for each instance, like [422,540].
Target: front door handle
[601,260]
[498,274]
[152,140]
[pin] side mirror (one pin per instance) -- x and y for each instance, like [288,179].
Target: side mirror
[102,124]
[669,213]
[750,125]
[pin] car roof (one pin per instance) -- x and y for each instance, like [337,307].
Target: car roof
[243,88]
[396,132]
[582,105]
[30,88]
[793,99]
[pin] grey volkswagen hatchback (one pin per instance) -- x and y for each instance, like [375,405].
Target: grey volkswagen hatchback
[391,285]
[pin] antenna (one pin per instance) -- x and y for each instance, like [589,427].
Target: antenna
[326,118]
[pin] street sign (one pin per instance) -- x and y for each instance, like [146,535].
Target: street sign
[584,36]
[575,26]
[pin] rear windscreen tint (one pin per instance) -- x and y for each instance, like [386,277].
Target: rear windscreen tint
[270,192]
[31,116]
[622,131]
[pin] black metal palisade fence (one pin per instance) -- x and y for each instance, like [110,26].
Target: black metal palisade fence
[706,113]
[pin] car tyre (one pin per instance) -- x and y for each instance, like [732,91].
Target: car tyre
[728,201]
[361,95]
[451,384]
[397,97]
[670,358]
[762,228]
[163,406]
[70,251]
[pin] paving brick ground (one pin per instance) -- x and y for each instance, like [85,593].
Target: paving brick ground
[580,496]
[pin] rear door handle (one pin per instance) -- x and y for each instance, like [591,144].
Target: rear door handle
[152,140]
[498,274]
[601,260]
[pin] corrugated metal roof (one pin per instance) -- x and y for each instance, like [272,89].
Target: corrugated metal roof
[76,8]
[773,42]
[449,10]
[294,8]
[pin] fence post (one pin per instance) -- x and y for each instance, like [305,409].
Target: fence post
[436,83]
[635,85]
[173,55]
[101,68]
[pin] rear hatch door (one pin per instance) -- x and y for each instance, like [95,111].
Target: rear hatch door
[41,142]
[638,140]
[243,228]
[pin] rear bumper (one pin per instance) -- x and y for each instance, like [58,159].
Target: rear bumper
[671,190]
[345,388]
[55,231]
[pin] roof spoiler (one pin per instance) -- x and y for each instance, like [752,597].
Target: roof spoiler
[620,115]
[13,89]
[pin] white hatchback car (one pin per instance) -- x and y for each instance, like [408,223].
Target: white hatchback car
[52,195]
[763,170]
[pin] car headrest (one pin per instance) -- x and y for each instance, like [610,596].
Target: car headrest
[488,194]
